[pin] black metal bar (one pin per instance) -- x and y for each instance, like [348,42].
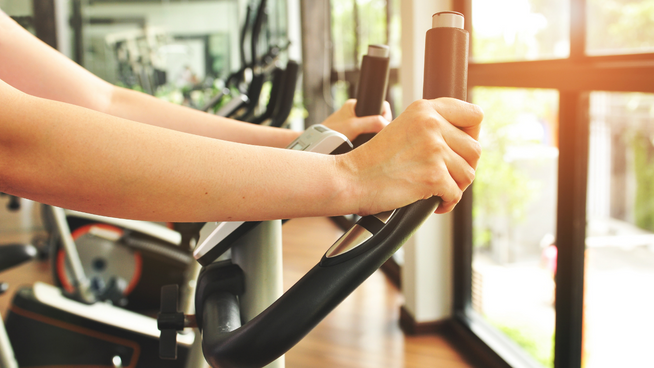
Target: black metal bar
[256,31]
[76,23]
[571,227]
[44,21]
[287,96]
[462,252]
[304,305]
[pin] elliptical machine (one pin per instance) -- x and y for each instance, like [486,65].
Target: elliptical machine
[244,324]
[45,328]
[122,261]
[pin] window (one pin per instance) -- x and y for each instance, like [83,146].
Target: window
[514,211]
[620,231]
[512,30]
[553,244]
[619,27]
[355,24]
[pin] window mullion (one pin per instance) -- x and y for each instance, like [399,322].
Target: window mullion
[571,227]
[462,252]
[577,29]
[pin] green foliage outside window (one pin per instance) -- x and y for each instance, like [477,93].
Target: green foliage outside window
[371,18]
[620,26]
[643,149]
[500,190]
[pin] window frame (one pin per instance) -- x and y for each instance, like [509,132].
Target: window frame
[574,78]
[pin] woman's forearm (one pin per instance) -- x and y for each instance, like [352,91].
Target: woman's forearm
[80,159]
[143,108]
[35,68]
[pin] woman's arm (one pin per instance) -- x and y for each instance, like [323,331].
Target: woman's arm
[77,158]
[35,68]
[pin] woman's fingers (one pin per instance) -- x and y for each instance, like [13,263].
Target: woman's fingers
[463,144]
[386,111]
[429,150]
[463,115]
[344,120]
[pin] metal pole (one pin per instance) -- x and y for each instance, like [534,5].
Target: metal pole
[259,254]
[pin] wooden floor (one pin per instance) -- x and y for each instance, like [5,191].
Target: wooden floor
[363,332]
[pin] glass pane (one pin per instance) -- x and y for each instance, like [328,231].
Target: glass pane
[20,11]
[355,25]
[514,212]
[15,8]
[343,34]
[515,30]
[153,47]
[620,26]
[618,318]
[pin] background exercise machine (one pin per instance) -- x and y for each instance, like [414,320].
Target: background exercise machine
[44,328]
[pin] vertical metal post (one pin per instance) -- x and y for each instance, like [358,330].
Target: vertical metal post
[44,21]
[78,275]
[7,358]
[259,254]
[316,59]
[76,24]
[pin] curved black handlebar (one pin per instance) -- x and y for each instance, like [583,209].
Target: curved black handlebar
[343,268]
[301,308]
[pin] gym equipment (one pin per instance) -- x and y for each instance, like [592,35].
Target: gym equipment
[14,202]
[235,337]
[217,237]
[123,261]
[370,96]
[372,86]
[44,328]
[250,79]
[255,247]
[11,255]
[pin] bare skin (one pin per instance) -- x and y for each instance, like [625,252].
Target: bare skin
[69,139]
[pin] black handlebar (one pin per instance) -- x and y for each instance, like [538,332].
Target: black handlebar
[301,308]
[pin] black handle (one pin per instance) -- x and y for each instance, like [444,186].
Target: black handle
[371,90]
[244,32]
[11,255]
[276,89]
[278,328]
[285,102]
[350,261]
[256,31]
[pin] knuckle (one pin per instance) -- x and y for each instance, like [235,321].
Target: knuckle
[457,196]
[439,146]
[379,122]
[476,148]
[470,177]
[477,113]
[420,104]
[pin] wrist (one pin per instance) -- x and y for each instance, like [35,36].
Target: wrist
[288,136]
[347,183]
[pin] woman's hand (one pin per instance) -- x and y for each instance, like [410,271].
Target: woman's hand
[429,150]
[345,120]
